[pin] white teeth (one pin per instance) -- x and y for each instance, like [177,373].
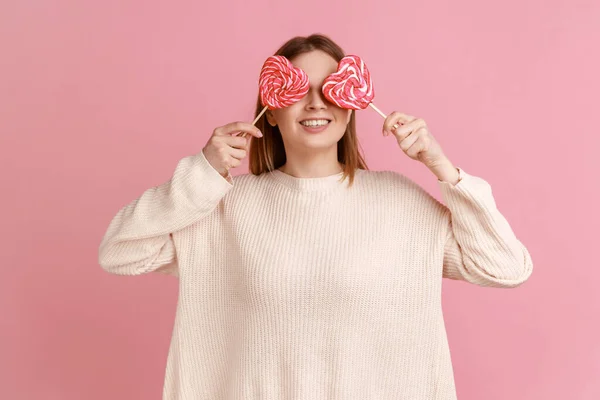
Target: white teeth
[315,122]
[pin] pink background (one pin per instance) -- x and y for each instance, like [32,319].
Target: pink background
[100,99]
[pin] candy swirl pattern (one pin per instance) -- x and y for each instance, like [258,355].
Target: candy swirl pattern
[351,86]
[281,84]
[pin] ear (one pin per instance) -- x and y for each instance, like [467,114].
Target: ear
[271,118]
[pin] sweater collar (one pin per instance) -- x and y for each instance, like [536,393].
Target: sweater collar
[320,184]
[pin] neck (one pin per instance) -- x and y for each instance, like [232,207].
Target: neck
[312,165]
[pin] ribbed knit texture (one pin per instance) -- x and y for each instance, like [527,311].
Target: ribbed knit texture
[305,288]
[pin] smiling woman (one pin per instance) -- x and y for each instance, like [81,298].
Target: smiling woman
[313,137]
[312,114]
[296,285]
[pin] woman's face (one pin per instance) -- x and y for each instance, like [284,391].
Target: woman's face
[313,122]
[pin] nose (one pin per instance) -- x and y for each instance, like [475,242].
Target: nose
[315,100]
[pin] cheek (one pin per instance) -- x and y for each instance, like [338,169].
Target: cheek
[286,116]
[343,116]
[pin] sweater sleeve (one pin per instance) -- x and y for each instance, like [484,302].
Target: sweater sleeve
[139,237]
[481,247]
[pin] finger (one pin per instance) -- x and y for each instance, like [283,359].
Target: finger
[417,147]
[395,118]
[236,141]
[392,119]
[236,127]
[402,132]
[239,154]
[233,163]
[409,140]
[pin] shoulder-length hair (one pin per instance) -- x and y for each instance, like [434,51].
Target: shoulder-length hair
[268,153]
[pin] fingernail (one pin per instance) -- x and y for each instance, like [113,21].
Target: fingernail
[259,133]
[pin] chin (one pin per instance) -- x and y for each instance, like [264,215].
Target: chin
[321,140]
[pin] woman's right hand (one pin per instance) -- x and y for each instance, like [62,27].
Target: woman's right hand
[225,149]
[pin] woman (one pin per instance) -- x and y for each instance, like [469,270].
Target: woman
[312,277]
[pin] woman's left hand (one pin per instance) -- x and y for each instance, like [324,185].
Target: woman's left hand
[418,143]
[414,138]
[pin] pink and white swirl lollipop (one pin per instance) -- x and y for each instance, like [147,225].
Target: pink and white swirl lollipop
[351,86]
[281,84]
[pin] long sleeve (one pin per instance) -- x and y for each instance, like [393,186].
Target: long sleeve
[139,237]
[481,247]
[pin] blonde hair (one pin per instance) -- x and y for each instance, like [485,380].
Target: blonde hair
[268,153]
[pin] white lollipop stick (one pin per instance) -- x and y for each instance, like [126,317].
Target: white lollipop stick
[255,120]
[396,126]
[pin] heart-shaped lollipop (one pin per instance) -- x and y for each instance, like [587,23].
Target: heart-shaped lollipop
[351,86]
[280,85]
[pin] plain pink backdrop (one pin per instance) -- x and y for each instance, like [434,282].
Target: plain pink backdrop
[100,99]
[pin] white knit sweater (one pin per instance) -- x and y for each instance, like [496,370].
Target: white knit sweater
[303,288]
